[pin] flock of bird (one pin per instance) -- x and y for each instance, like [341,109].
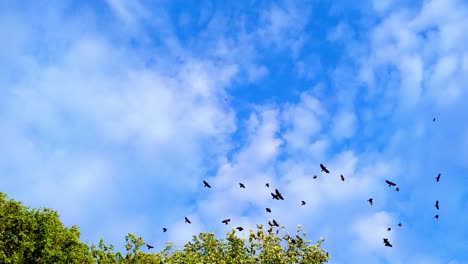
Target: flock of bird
[276,195]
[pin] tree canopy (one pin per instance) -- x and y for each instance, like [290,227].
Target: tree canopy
[38,236]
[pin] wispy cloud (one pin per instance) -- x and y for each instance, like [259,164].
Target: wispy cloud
[124,129]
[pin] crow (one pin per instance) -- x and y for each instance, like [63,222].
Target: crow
[268,210]
[239,228]
[279,194]
[303,202]
[389,229]
[149,247]
[275,223]
[267,185]
[241,185]
[187,220]
[315,177]
[370,201]
[270,223]
[270,230]
[164,229]
[342,177]
[226,221]
[386,243]
[324,169]
[397,189]
[206,184]
[276,197]
[438,178]
[436,216]
[437,205]
[390,184]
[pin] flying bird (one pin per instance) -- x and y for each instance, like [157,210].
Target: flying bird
[315,177]
[241,185]
[437,205]
[342,177]
[275,223]
[164,229]
[389,229]
[267,185]
[226,221]
[438,178]
[149,247]
[397,189]
[436,216]
[399,224]
[187,220]
[324,169]
[278,194]
[303,202]
[370,201]
[239,228]
[206,184]
[433,119]
[390,184]
[268,210]
[386,243]
[276,197]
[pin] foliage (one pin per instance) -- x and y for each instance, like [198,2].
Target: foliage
[38,236]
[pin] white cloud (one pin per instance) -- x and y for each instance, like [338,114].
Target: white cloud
[129,11]
[302,123]
[344,125]
[368,232]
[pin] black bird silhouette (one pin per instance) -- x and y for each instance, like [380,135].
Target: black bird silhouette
[324,169]
[438,178]
[241,185]
[164,229]
[397,189]
[276,197]
[390,184]
[386,243]
[270,229]
[303,202]
[437,205]
[370,201]
[239,228]
[278,194]
[315,177]
[226,221]
[268,210]
[270,223]
[436,216]
[342,177]
[267,185]
[389,229]
[399,224]
[187,220]
[433,119]
[206,184]
[149,247]
[275,223]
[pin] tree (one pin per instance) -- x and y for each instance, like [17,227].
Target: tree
[38,236]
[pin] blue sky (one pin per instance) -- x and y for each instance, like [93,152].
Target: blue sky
[113,113]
